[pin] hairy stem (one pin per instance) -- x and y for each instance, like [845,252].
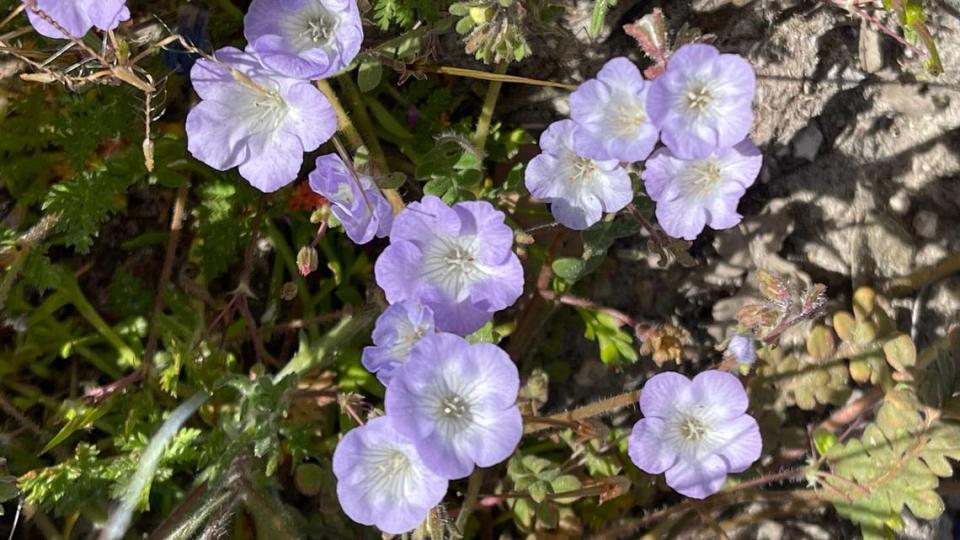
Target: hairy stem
[597,408]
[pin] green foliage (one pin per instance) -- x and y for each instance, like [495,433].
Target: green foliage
[616,345]
[895,464]
[912,18]
[808,380]
[87,200]
[864,334]
[544,485]
[273,356]
[600,9]
[596,242]
[451,169]
[222,226]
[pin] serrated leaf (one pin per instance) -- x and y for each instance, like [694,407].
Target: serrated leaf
[894,464]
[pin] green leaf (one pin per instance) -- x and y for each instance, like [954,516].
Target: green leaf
[568,268]
[369,74]
[86,417]
[600,9]
[900,352]
[824,440]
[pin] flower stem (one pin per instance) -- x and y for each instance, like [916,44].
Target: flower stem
[344,123]
[364,127]
[470,499]
[486,114]
[597,408]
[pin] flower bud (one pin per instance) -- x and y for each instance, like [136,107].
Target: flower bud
[307,260]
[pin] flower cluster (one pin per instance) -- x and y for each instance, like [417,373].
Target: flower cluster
[700,108]
[65,19]
[450,405]
[695,431]
[259,111]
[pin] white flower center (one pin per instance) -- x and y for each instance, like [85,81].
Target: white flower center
[692,429]
[691,432]
[311,28]
[454,407]
[626,114]
[702,177]
[452,264]
[698,98]
[453,413]
[389,473]
[264,109]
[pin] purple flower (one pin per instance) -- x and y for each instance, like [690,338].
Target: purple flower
[458,261]
[382,480]
[697,192]
[363,212]
[76,16]
[611,114]
[398,329]
[304,39]
[579,189]
[458,402]
[255,119]
[742,348]
[695,431]
[702,101]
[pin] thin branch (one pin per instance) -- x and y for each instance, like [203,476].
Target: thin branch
[483,75]
[597,408]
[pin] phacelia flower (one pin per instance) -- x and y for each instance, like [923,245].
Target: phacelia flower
[382,480]
[355,200]
[702,102]
[458,402]
[611,114]
[695,431]
[697,192]
[305,39]
[458,261]
[578,189]
[742,348]
[398,329]
[75,16]
[256,119]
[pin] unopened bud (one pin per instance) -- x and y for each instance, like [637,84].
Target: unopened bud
[307,260]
